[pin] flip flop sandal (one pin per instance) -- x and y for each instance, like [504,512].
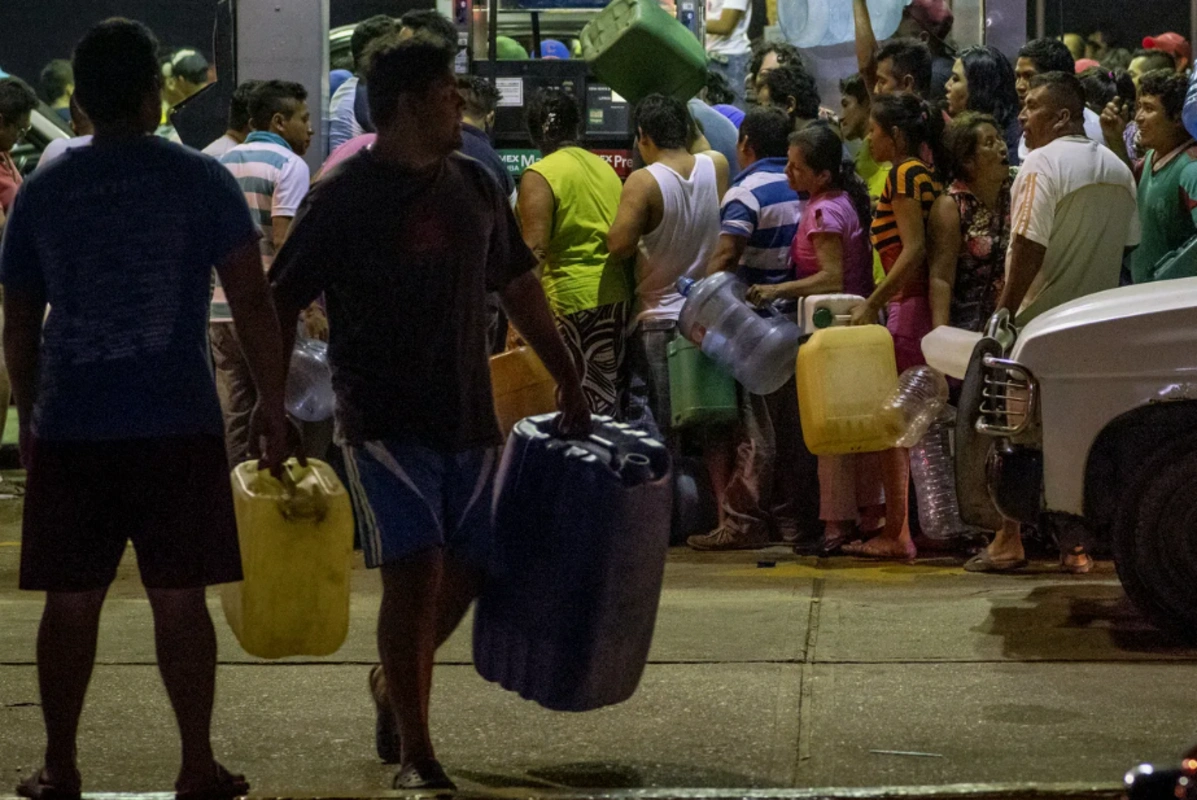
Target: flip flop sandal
[35,788]
[225,787]
[386,731]
[983,562]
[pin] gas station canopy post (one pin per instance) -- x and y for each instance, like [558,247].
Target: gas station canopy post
[288,40]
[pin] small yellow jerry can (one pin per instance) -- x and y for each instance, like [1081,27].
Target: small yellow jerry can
[844,376]
[296,552]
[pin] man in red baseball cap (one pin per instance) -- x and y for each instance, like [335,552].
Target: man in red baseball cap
[1172,43]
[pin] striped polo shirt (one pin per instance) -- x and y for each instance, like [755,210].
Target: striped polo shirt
[274,181]
[761,207]
[912,178]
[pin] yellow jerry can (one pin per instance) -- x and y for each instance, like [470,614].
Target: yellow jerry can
[844,376]
[296,551]
[522,387]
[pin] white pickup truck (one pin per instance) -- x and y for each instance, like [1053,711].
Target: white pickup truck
[1088,417]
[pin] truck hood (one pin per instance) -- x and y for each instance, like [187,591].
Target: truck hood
[1133,329]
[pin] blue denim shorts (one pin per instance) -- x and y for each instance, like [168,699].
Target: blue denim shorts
[408,498]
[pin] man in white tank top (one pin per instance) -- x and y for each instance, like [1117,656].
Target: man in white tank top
[668,219]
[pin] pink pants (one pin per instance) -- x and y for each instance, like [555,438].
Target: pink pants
[908,321]
[848,484]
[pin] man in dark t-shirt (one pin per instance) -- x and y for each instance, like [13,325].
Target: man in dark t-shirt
[404,240]
[121,430]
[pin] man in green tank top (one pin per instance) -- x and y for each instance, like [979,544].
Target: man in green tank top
[1167,177]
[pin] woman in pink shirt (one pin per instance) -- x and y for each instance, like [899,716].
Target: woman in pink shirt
[831,254]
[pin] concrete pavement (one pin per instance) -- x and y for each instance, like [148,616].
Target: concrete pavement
[835,673]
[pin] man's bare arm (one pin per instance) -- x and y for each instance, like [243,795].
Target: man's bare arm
[1025,261]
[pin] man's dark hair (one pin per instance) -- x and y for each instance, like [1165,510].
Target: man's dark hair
[663,119]
[786,54]
[1169,86]
[366,33]
[54,80]
[239,105]
[403,66]
[1099,87]
[425,20]
[1156,59]
[1126,87]
[793,81]
[1065,90]
[767,131]
[554,119]
[116,66]
[274,97]
[854,86]
[1048,55]
[187,64]
[909,57]
[480,95]
[718,89]
[16,99]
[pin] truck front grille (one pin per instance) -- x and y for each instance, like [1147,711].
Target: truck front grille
[1007,397]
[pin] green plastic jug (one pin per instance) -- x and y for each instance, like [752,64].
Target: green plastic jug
[638,49]
[699,392]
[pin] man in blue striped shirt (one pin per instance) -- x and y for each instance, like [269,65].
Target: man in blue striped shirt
[271,172]
[774,490]
[760,211]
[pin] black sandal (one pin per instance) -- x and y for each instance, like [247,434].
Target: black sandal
[35,788]
[225,787]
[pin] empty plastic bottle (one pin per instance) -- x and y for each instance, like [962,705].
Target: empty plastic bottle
[815,23]
[918,400]
[758,351]
[934,474]
[310,394]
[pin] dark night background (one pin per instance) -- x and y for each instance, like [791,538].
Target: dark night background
[34,31]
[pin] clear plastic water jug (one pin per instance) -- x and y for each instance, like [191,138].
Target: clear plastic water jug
[934,474]
[916,402]
[309,396]
[296,539]
[844,376]
[522,387]
[816,23]
[758,351]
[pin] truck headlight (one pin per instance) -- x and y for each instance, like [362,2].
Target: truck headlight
[1007,399]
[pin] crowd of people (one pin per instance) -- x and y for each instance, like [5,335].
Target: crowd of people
[950,186]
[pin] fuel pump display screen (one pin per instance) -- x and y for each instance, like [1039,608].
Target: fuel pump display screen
[607,114]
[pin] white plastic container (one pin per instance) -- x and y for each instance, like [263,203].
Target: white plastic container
[950,349]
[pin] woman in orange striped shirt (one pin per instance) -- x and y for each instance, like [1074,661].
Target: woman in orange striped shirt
[905,132]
